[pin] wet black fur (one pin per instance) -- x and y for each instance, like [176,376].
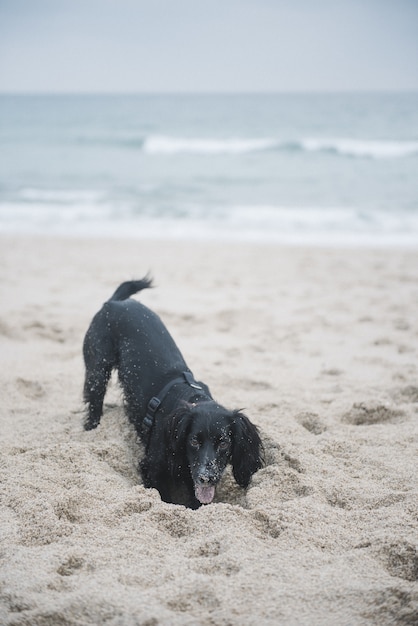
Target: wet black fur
[193,438]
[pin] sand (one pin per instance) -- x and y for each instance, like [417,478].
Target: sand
[320,348]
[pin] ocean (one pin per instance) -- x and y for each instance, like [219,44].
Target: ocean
[326,169]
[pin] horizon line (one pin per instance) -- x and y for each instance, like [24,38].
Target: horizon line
[377,91]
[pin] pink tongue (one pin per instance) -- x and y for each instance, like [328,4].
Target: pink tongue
[205,495]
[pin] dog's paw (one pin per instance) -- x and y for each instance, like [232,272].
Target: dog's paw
[91,423]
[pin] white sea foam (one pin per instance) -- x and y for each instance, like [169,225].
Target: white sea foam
[360,148]
[210,146]
[297,225]
[60,196]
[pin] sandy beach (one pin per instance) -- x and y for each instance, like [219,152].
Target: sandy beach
[320,348]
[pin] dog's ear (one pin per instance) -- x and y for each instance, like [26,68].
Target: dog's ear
[178,424]
[247,449]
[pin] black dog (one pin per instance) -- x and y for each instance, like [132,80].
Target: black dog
[189,438]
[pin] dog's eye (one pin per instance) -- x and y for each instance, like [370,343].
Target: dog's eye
[223,444]
[194,442]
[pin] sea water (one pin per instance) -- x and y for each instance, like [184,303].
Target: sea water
[308,168]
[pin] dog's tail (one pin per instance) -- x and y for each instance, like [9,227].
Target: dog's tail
[127,289]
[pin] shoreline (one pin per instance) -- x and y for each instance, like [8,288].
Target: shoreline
[319,345]
[342,242]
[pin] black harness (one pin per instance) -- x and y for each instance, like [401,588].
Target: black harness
[156,401]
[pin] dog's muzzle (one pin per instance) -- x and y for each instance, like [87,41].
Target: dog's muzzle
[204,487]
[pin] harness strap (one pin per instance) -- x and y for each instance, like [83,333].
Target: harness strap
[156,401]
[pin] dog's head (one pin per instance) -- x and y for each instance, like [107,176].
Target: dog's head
[204,438]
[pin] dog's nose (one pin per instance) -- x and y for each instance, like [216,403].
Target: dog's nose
[208,477]
[204,479]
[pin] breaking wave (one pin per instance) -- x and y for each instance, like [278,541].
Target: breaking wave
[355,148]
[167,145]
[89,213]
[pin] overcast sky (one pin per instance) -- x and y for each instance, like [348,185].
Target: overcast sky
[207,45]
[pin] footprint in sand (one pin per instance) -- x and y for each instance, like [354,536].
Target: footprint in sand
[367,413]
[30,388]
[394,605]
[7,331]
[408,394]
[46,331]
[267,525]
[193,600]
[400,559]
[208,548]
[70,566]
[312,422]
[16,603]
[332,371]
[401,324]
[68,508]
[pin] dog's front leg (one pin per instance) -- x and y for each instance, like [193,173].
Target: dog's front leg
[156,478]
[94,392]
